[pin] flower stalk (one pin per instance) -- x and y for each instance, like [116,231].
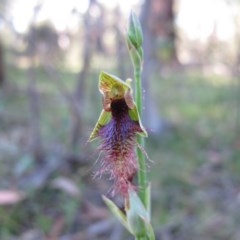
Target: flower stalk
[121,132]
[134,42]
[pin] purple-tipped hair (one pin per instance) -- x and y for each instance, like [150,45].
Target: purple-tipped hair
[118,147]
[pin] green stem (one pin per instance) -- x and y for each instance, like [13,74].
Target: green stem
[141,238]
[138,88]
[142,173]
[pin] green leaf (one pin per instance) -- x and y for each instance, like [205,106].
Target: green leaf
[138,218]
[103,119]
[136,215]
[117,212]
[137,205]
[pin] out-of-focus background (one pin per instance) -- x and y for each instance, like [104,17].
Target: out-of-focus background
[51,53]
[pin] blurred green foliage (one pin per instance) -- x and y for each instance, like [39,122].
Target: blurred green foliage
[195,174]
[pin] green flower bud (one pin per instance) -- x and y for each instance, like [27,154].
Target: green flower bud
[134,34]
[134,54]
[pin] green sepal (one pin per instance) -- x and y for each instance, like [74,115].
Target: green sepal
[117,212]
[103,119]
[134,115]
[109,82]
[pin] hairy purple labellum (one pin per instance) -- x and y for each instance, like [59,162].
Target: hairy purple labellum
[118,147]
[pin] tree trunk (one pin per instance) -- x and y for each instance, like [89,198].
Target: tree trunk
[157,19]
[92,38]
[36,144]
[158,23]
[2,75]
[34,117]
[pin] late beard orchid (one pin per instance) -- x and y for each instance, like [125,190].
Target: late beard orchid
[117,127]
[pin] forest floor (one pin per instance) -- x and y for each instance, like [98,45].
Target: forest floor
[194,175]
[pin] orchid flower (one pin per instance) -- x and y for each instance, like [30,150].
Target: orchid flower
[117,127]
